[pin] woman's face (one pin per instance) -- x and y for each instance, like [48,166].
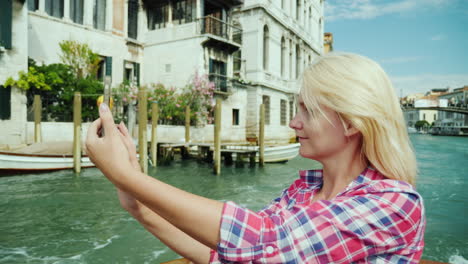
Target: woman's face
[320,138]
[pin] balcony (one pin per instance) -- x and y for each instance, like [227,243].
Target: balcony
[221,82]
[220,34]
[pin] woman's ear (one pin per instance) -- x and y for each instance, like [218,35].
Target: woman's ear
[350,129]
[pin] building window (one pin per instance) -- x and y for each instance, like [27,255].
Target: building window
[298,10]
[33,5]
[5,102]
[298,61]
[291,110]
[158,16]
[283,5]
[183,11]
[237,63]
[435,117]
[235,117]
[104,68]
[266,40]
[54,8]
[310,19]
[76,11]
[266,103]
[131,72]
[283,112]
[291,59]
[283,57]
[99,16]
[133,19]
[218,74]
[6,24]
[424,116]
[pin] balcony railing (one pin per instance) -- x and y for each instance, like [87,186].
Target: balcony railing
[217,27]
[220,81]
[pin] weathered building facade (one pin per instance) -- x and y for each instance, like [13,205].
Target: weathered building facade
[254,51]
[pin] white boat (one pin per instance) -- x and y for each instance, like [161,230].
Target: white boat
[41,157]
[280,153]
[12,161]
[412,130]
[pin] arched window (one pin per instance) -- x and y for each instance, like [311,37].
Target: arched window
[283,57]
[291,59]
[298,10]
[266,40]
[309,24]
[298,61]
[304,18]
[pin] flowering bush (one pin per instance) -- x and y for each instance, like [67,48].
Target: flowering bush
[198,95]
[172,102]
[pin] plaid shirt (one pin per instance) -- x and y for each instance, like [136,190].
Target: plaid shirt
[374,220]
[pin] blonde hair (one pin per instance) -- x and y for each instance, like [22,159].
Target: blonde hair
[361,93]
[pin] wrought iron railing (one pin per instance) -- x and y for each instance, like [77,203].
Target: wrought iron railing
[218,27]
[221,81]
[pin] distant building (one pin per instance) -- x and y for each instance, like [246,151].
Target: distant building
[254,51]
[327,42]
[449,122]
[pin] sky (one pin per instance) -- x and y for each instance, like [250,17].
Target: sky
[421,44]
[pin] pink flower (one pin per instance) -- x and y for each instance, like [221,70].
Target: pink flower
[178,105]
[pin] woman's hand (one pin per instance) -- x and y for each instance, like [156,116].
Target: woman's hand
[128,202]
[108,151]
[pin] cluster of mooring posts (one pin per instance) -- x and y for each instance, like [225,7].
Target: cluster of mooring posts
[209,152]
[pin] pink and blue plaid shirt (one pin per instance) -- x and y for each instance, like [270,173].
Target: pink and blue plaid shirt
[374,220]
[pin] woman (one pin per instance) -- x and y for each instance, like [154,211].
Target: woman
[361,207]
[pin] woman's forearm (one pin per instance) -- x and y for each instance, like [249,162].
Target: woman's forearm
[173,237]
[196,216]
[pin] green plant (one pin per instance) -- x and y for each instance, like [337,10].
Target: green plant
[34,79]
[421,124]
[82,60]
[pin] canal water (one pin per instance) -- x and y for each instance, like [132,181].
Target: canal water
[60,217]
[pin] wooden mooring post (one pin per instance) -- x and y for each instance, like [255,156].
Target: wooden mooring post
[185,150]
[187,124]
[217,138]
[154,138]
[142,124]
[77,132]
[37,118]
[261,136]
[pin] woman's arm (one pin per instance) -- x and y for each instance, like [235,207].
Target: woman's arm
[171,236]
[197,216]
[174,238]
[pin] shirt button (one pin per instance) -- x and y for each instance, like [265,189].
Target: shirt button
[270,249]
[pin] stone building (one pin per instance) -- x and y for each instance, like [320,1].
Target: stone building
[254,50]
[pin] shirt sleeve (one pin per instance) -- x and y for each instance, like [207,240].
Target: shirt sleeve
[341,231]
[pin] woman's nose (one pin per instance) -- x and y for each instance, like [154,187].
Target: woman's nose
[295,123]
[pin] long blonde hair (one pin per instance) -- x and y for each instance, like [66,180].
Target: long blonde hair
[359,90]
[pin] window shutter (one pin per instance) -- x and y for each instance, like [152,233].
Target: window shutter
[108,66]
[210,70]
[5,103]
[6,18]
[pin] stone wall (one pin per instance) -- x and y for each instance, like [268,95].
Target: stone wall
[11,62]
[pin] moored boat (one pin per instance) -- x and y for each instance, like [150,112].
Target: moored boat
[12,161]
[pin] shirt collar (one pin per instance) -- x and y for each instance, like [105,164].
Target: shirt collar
[315,177]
